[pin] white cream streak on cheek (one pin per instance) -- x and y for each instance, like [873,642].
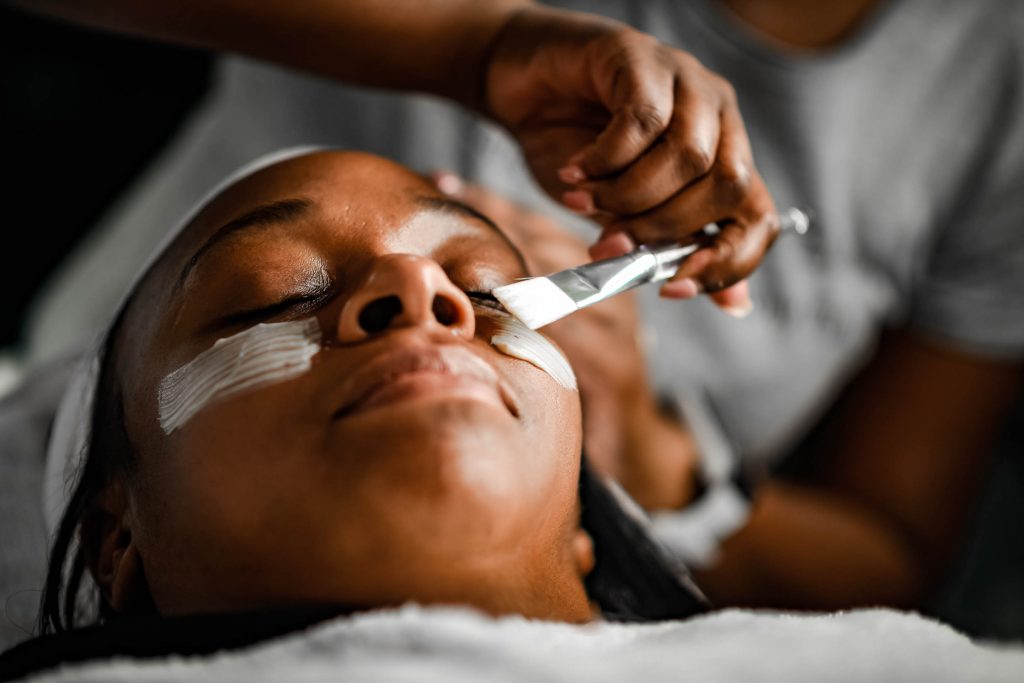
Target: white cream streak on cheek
[515,339]
[264,354]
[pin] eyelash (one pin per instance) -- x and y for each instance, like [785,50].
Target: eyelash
[485,299]
[297,304]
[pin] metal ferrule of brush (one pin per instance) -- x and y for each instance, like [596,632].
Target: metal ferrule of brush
[597,281]
[542,300]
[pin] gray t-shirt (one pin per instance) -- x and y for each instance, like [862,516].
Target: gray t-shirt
[907,143]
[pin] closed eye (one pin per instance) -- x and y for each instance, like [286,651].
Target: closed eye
[485,299]
[314,291]
[296,305]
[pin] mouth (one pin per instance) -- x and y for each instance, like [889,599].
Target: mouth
[424,373]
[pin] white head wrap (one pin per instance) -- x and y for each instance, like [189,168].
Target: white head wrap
[70,434]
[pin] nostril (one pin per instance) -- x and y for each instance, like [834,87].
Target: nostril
[378,314]
[445,311]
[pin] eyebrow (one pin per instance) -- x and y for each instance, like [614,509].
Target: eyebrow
[282,211]
[453,206]
[287,210]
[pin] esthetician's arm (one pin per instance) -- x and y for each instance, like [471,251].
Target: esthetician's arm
[901,463]
[611,121]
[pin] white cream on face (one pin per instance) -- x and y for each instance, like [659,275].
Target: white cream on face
[515,339]
[264,354]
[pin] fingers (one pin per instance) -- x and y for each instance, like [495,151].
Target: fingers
[612,243]
[685,153]
[684,288]
[447,182]
[732,255]
[719,194]
[635,84]
[735,300]
[733,196]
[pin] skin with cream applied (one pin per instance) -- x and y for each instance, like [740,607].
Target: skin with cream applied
[515,339]
[261,355]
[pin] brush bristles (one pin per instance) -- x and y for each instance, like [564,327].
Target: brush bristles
[537,301]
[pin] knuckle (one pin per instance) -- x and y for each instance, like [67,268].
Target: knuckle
[738,252]
[623,201]
[714,283]
[624,46]
[687,62]
[647,118]
[733,182]
[695,159]
[616,39]
[727,91]
[643,231]
[726,247]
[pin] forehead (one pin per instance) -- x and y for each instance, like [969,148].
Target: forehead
[361,194]
[351,186]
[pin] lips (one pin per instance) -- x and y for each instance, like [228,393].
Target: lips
[423,372]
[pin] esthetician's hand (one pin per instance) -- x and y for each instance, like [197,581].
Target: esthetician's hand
[636,134]
[625,435]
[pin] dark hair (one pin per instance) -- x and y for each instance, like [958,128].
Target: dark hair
[633,579]
[108,454]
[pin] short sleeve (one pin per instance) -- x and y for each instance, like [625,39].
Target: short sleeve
[972,292]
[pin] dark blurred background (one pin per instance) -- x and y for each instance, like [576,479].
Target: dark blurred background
[82,113]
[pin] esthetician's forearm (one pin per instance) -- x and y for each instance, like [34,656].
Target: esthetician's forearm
[436,46]
[806,548]
[899,468]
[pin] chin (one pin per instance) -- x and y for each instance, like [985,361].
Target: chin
[434,445]
[415,428]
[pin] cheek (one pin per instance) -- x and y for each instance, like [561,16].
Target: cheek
[229,418]
[552,411]
[235,423]
[560,435]
[550,417]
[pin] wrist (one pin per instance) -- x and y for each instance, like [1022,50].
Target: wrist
[496,49]
[659,459]
[510,81]
[723,493]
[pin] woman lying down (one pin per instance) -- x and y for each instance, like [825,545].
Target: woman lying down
[309,408]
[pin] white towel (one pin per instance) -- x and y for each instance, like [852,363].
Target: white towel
[450,645]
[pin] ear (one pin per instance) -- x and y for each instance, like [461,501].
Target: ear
[112,556]
[583,552]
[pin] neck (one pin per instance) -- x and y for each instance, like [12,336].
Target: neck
[803,24]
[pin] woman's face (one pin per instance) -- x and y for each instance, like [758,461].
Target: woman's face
[412,461]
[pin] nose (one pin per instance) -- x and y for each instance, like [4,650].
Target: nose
[403,290]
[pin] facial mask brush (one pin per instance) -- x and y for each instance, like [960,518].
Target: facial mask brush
[540,301]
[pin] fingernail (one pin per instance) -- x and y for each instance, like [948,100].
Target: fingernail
[572,174]
[448,183]
[610,246]
[740,310]
[579,200]
[687,288]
